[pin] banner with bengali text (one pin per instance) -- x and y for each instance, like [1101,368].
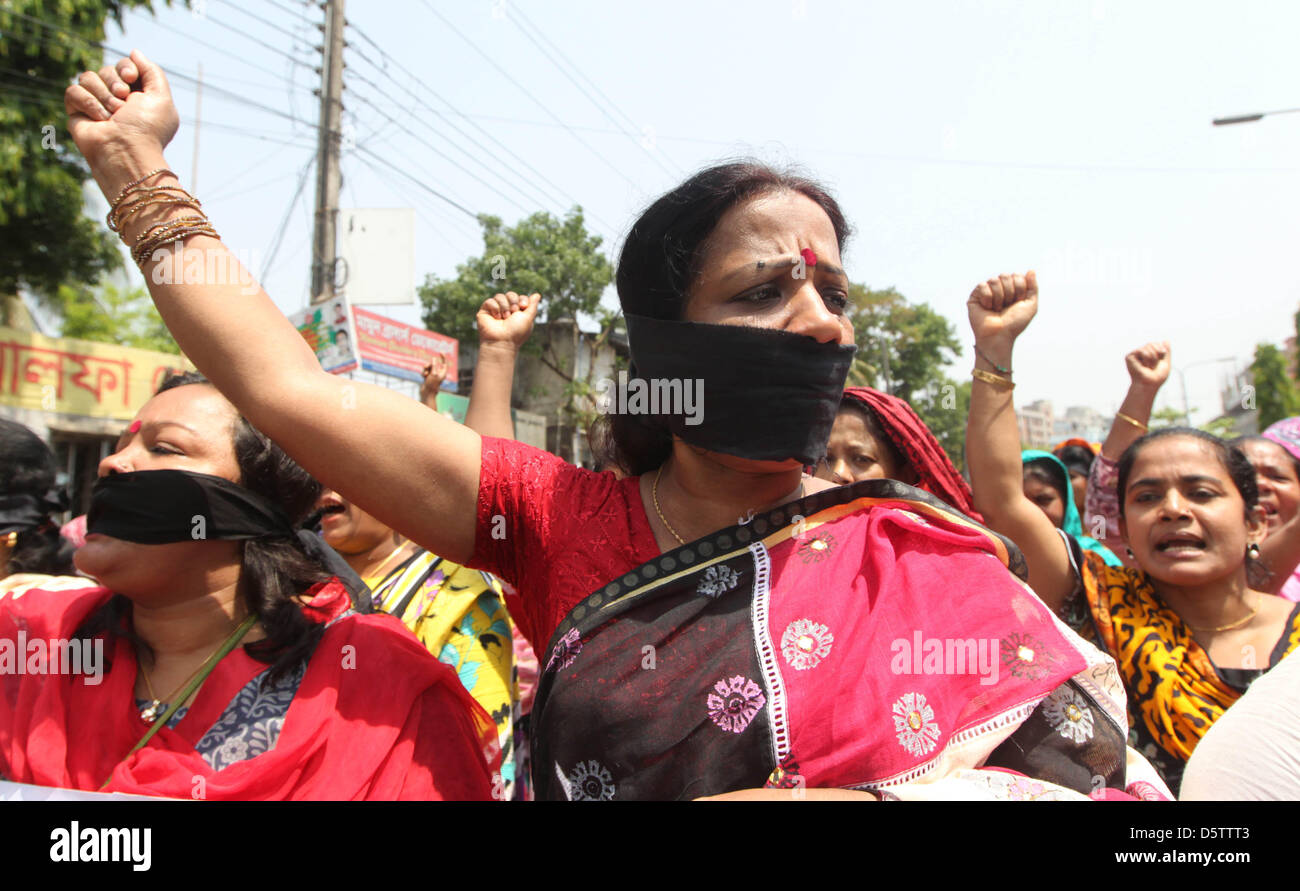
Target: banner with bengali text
[79,377]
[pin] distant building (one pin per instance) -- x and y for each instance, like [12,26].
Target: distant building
[1036,424]
[78,396]
[1081,422]
[541,383]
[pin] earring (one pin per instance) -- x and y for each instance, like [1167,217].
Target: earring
[1252,551]
[12,539]
[1129,551]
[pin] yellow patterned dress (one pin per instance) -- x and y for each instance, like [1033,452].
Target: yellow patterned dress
[1175,692]
[459,615]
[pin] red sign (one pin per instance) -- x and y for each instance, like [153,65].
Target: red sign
[391,347]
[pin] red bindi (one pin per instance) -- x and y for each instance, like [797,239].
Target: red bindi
[134,428]
[809,257]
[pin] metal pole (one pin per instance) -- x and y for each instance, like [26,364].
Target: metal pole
[328,142]
[198,121]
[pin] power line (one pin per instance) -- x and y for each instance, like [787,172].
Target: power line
[420,183]
[244,34]
[284,223]
[565,198]
[270,24]
[203,43]
[435,149]
[103,47]
[478,159]
[406,197]
[534,40]
[527,93]
[291,12]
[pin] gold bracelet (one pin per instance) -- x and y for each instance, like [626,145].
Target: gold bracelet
[143,252]
[131,185]
[1002,383]
[160,228]
[1134,421]
[120,214]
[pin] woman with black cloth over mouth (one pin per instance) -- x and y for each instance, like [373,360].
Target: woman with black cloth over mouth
[217,658]
[686,654]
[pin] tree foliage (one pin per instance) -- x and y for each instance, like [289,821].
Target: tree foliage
[556,258]
[541,254]
[1276,396]
[127,318]
[46,240]
[904,349]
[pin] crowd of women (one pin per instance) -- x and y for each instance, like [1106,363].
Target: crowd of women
[795,594]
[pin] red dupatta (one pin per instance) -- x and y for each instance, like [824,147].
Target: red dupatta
[375,717]
[934,470]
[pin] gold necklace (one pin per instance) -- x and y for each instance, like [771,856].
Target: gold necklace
[1242,621]
[654,494]
[150,712]
[383,564]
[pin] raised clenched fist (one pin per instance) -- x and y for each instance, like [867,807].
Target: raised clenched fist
[1149,365]
[507,319]
[1000,308]
[121,112]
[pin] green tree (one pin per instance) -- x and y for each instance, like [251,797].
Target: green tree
[46,239]
[904,349]
[1167,417]
[127,318]
[556,258]
[1275,394]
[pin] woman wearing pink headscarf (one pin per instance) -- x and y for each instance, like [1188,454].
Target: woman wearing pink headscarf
[1276,457]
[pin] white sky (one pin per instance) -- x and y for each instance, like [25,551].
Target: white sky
[962,140]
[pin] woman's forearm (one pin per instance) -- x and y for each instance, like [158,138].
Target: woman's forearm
[1123,432]
[489,400]
[993,439]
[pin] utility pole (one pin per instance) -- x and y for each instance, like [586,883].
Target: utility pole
[198,123]
[329,138]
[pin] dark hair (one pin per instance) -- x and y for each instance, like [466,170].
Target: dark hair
[1048,472]
[274,571]
[877,431]
[1295,462]
[1076,458]
[27,468]
[660,259]
[1234,461]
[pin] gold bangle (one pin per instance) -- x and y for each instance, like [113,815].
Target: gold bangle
[1002,383]
[1134,421]
[115,222]
[141,253]
[145,197]
[131,185]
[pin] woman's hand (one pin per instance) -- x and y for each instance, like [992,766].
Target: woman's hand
[1000,309]
[506,320]
[121,117]
[1149,365]
[434,374]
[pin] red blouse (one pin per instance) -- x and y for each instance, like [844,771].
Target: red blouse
[555,531]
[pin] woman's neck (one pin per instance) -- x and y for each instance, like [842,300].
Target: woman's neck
[1211,605]
[367,562]
[698,494]
[192,627]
